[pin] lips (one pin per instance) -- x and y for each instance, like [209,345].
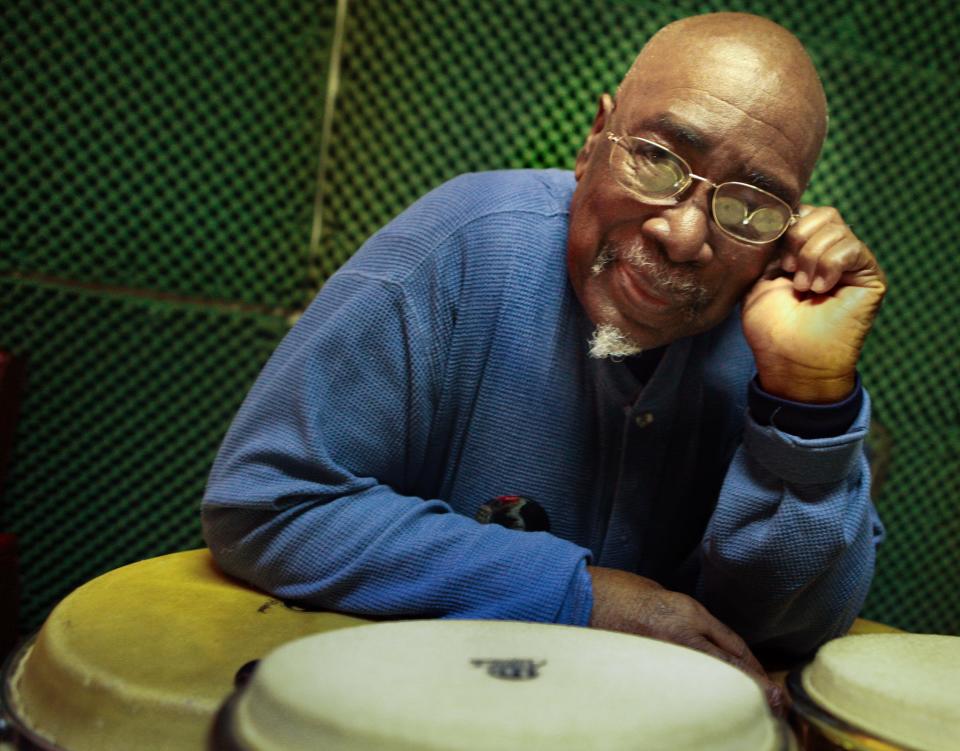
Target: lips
[638,288]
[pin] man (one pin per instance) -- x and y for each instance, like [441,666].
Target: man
[449,362]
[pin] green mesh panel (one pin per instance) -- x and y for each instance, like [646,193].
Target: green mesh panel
[174,147]
[170,145]
[126,403]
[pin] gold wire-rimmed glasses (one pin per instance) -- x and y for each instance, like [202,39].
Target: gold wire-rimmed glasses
[656,175]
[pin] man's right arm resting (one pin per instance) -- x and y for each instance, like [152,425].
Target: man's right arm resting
[306,498]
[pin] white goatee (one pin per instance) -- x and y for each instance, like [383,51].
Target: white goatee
[689,297]
[609,341]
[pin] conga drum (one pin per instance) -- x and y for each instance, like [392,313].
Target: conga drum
[880,692]
[483,685]
[141,657]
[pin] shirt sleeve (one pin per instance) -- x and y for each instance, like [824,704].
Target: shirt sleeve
[802,419]
[311,497]
[789,552]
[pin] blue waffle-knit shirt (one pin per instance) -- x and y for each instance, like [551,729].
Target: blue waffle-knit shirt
[445,364]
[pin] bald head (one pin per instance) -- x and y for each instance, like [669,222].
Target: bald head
[737,56]
[737,100]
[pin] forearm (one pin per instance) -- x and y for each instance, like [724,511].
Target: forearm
[788,555]
[381,554]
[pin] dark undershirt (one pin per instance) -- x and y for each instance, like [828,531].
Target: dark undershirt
[797,418]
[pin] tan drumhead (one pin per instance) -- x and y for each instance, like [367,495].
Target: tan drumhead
[142,657]
[904,688]
[481,685]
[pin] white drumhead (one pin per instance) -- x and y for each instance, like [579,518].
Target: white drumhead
[901,687]
[481,685]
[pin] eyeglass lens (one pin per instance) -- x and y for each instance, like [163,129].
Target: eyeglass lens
[657,174]
[748,213]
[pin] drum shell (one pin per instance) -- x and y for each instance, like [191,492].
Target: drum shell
[19,736]
[227,736]
[16,732]
[142,657]
[224,738]
[819,730]
[880,689]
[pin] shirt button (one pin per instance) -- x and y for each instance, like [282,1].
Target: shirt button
[643,419]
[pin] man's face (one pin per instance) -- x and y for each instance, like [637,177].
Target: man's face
[658,273]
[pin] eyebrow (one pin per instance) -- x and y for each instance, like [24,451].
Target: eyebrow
[680,132]
[689,136]
[771,185]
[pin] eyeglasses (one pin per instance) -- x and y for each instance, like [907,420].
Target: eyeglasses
[655,174]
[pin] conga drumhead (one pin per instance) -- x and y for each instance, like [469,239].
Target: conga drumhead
[884,691]
[481,685]
[141,657]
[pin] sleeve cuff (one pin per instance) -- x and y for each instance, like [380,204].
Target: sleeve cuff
[801,419]
[578,604]
[806,461]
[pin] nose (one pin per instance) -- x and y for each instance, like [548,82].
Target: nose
[682,229]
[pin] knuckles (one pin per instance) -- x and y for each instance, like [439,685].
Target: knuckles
[831,215]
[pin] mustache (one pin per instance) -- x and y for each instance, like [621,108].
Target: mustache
[678,285]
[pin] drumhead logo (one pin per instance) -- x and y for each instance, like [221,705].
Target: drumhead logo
[515,669]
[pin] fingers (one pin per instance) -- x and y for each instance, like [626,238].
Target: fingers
[749,665]
[728,641]
[724,636]
[822,251]
[715,638]
[746,662]
[693,625]
[626,602]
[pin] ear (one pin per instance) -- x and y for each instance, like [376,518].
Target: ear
[597,134]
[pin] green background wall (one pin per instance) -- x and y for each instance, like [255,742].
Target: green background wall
[175,189]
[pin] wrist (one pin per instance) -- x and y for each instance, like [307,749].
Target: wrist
[818,390]
[803,419]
